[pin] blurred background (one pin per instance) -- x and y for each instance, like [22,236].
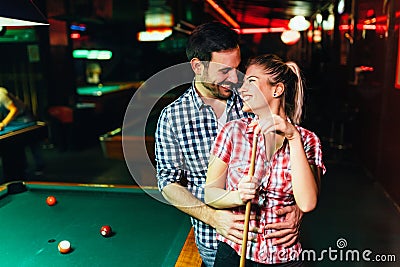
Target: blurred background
[348,50]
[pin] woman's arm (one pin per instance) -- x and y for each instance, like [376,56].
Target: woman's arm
[305,178]
[215,193]
[305,181]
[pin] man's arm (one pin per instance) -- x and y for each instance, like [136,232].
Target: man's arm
[225,222]
[170,164]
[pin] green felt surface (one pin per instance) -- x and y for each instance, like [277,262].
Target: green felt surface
[146,231]
[15,126]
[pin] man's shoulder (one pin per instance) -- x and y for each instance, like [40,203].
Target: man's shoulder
[182,102]
[3,94]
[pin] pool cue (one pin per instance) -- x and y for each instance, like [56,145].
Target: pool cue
[248,204]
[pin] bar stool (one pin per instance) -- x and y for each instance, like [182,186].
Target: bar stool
[61,126]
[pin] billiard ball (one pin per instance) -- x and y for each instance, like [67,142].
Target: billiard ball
[64,246]
[51,200]
[105,230]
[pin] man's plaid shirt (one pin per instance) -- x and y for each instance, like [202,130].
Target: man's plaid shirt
[185,133]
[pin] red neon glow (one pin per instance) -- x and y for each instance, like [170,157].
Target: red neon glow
[383,18]
[261,22]
[223,14]
[366,68]
[260,30]
[363,27]
[75,35]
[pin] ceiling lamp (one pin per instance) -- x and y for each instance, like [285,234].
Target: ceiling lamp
[317,36]
[329,24]
[318,18]
[290,37]
[153,35]
[298,23]
[21,13]
[341,7]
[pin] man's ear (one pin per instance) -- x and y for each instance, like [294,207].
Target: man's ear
[197,66]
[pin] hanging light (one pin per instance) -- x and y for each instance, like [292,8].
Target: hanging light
[318,18]
[154,35]
[290,37]
[329,24]
[317,36]
[341,7]
[21,13]
[299,23]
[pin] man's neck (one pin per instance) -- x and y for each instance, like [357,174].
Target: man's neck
[217,104]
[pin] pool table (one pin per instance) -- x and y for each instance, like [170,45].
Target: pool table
[101,108]
[145,231]
[105,97]
[13,140]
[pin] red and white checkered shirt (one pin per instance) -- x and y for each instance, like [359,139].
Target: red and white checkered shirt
[233,146]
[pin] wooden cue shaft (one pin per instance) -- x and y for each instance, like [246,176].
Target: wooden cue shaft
[248,204]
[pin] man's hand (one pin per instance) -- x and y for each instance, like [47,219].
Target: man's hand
[287,232]
[231,226]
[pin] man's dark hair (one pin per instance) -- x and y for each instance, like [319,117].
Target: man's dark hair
[210,37]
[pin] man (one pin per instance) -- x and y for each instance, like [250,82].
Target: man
[186,131]
[13,110]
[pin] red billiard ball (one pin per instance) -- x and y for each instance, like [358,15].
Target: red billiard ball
[64,246]
[105,230]
[51,200]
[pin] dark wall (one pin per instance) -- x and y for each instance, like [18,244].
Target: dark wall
[377,141]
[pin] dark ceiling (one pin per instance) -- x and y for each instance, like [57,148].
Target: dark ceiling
[266,13]
[246,13]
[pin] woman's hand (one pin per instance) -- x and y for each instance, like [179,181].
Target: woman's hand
[247,189]
[276,124]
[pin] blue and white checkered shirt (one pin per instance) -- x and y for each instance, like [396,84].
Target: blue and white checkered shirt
[185,133]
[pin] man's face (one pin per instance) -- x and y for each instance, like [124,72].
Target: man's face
[220,76]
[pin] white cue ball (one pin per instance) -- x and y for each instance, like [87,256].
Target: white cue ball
[64,246]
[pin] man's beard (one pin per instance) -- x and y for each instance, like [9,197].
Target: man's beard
[214,89]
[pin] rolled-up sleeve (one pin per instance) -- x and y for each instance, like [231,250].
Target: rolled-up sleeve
[169,157]
[313,150]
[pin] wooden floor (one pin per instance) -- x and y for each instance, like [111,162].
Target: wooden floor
[189,255]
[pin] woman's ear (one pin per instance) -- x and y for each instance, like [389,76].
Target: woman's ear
[279,89]
[197,66]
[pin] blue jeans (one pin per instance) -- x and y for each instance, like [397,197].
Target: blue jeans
[206,254]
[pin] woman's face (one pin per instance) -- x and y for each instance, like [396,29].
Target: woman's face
[256,90]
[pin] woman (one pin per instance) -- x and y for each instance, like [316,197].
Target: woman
[288,161]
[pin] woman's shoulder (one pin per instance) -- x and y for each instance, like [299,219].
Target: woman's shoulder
[306,133]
